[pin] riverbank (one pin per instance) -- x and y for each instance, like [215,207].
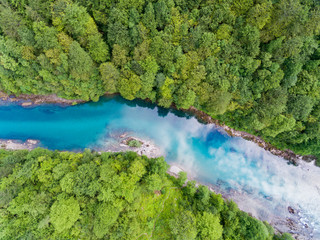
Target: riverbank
[10,144]
[286,154]
[29,100]
[284,219]
[147,148]
[122,144]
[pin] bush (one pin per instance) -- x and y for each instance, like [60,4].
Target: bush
[134,143]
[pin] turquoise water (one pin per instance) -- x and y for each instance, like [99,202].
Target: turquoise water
[259,182]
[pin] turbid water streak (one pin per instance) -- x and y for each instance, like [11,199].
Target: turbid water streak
[259,182]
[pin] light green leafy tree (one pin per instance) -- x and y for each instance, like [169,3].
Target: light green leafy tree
[64,213]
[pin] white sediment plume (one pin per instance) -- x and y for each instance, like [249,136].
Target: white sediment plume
[280,186]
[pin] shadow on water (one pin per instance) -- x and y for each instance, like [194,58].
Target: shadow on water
[162,112]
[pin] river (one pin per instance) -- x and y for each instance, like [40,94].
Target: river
[259,182]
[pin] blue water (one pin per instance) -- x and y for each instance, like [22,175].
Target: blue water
[259,182]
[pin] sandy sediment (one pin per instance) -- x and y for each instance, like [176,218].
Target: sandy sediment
[28,100]
[10,144]
[121,144]
[147,148]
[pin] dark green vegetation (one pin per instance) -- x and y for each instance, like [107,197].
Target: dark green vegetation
[254,64]
[63,195]
[134,143]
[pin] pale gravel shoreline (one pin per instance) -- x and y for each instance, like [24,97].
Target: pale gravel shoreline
[29,100]
[10,144]
[148,148]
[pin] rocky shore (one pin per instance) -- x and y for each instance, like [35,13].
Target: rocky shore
[29,100]
[19,145]
[146,148]
[124,141]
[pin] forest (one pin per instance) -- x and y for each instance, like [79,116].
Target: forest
[252,64]
[65,195]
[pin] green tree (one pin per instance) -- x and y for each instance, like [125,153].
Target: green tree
[151,68]
[184,97]
[260,14]
[300,106]
[10,21]
[81,64]
[129,84]
[209,227]
[154,182]
[166,93]
[106,216]
[183,226]
[45,37]
[119,55]
[109,75]
[98,49]
[279,124]
[64,213]
[218,102]
[182,178]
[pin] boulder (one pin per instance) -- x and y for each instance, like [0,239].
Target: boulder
[25,104]
[290,210]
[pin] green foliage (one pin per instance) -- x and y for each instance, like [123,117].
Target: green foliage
[129,84]
[183,226]
[134,143]
[106,215]
[63,195]
[300,106]
[209,226]
[252,64]
[182,178]
[109,75]
[285,236]
[260,14]
[224,32]
[98,49]
[166,93]
[64,213]
[80,64]
[184,97]
[45,36]
[218,102]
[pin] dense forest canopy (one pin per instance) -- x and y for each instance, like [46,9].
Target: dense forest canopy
[253,64]
[63,195]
